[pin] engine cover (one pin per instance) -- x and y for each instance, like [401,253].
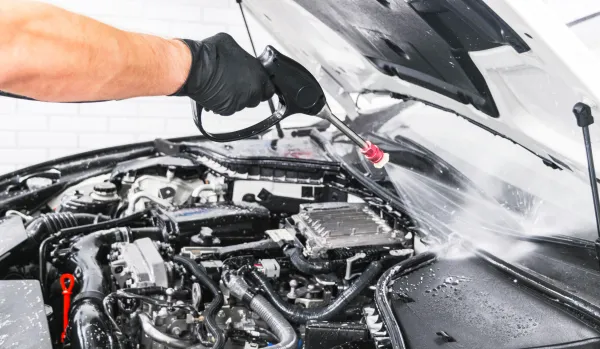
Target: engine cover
[138,264]
[229,223]
[333,225]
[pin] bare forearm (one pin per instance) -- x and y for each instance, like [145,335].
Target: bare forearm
[54,55]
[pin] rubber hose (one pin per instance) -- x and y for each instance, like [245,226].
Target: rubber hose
[48,224]
[163,338]
[158,290]
[216,303]
[154,233]
[84,256]
[126,221]
[284,332]
[312,267]
[382,302]
[302,315]
[39,232]
[239,288]
[90,327]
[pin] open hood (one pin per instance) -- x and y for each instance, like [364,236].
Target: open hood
[510,66]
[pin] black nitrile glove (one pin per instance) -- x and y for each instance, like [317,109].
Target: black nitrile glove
[224,78]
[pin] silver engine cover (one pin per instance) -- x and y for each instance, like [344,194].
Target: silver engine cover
[138,264]
[333,225]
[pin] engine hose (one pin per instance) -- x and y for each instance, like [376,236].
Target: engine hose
[382,301]
[90,327]
[163,338]
[312,267]
[48,224]
[108,224]
[40,229]
[213,307]
[158,290]
[284,332]
[84,258]
[302,315]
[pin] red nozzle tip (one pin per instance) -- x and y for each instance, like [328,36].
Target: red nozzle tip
[375,155]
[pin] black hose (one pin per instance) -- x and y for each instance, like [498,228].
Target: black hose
[154,233]
[158,290]
[302,315]
[90,327]
[213,307]
[48,224]
[41,229]
[70,224]
[284,331]
[109,224]
[312,267]
[382,301]
[84,257]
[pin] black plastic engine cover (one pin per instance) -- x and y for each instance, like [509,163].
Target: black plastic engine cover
[23,323]
[467,303]
[229,222]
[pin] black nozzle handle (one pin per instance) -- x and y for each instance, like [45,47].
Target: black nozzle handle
[298,90]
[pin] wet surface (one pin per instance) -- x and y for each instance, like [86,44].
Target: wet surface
[23,323]
[479,307]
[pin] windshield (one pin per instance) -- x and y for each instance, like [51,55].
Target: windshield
[505,189]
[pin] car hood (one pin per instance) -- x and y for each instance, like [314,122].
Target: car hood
[512,67]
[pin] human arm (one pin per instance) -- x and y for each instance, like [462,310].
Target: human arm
[51,54]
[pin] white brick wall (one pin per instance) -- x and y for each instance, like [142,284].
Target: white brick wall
[32,132]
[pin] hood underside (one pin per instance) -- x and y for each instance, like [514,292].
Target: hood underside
[512,67]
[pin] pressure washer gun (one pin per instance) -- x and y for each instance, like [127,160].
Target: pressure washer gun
[299,93]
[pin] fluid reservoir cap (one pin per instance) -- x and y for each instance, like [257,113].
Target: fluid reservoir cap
[105,188]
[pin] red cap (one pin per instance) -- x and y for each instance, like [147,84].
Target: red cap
[375,155]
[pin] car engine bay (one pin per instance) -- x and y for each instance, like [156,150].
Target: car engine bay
[279,243]
[167,252]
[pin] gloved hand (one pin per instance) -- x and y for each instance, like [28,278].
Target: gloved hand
[224,78]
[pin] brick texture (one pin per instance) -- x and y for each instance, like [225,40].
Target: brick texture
[32,132]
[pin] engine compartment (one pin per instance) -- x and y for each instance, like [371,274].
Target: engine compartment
[270,243]
[173,253]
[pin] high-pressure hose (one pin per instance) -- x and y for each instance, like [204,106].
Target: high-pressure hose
[312,267]
[284,332]
[302,315]
[216,303]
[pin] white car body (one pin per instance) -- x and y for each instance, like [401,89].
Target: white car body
[534,91]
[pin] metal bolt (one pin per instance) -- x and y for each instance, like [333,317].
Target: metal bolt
[176,331]
[310,288]
[169,292]
[293,285]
